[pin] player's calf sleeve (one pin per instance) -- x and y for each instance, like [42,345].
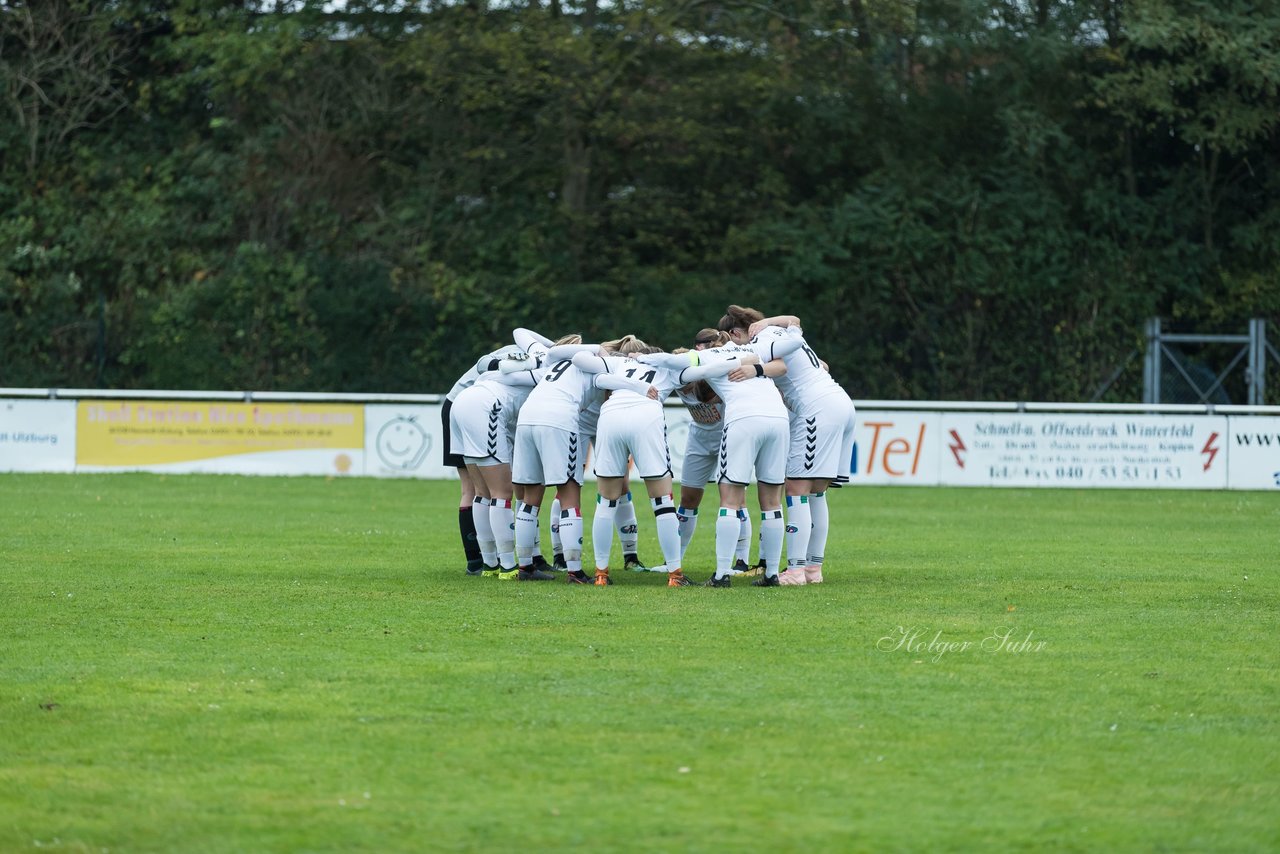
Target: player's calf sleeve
[742,551]
[821,519]
[556,546]
[664,515]
[687,521]
[602,530]
[772,531]
[526,533]
[798,527]
[503,521]
[727,527]
[537,535]
[467,531]
[484,532]
[571,537]
[628,529]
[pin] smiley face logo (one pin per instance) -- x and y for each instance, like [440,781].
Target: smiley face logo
[402,444]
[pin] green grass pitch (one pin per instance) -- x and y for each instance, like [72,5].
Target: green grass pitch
[232,664]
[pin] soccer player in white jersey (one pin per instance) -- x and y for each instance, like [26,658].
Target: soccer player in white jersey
[702,451]
[468,503]
[822,430]
[755,436]
[550,450]
[702,447]
[481,426]
[478,542]
[632,427]
[627,527]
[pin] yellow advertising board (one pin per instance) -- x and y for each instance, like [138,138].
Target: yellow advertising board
[285,438]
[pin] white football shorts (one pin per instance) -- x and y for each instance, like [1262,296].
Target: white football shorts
[818,440]
[635,432]
[758,441]
[548,455]
[479,427]
[701,457]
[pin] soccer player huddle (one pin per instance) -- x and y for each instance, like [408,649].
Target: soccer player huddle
[763,408]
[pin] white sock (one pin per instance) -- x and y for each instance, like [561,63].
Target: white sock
[484,531]
[687,518]
[772,532]
[602,530]
[798,528]
[628,530]
[526,533]
[821,518]
[571,537]
[664,515]
[503,521]
[743,550]
[727,527]
[556,547]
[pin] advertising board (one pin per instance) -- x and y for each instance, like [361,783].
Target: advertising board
[906,447]
[221,438]
[1095,450]
[1253,453]
[404,441]
[37,435]
[896,448]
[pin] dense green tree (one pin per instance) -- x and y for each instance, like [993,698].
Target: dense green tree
[961,198]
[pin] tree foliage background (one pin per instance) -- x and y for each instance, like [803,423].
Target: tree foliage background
[960,198]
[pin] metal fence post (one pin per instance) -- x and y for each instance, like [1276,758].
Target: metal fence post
[1257,361]
[1151,367]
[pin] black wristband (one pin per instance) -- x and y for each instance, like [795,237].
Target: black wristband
[759,370]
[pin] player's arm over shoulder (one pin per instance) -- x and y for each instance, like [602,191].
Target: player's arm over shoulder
[783,321]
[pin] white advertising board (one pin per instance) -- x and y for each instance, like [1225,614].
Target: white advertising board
[896,448]
[38,435]
[1128,451]
[405,441]
[1253,453]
